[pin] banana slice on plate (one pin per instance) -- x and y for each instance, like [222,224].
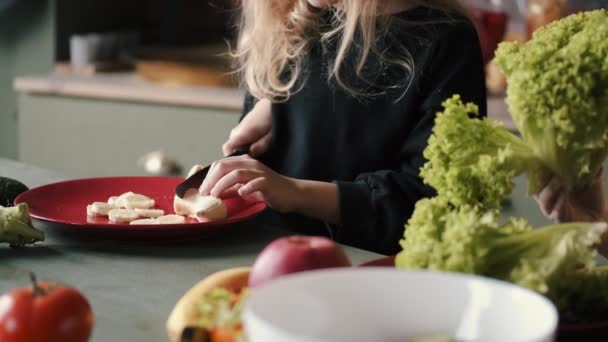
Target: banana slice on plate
[151,213]
[122,215]
[171,219]
[90,212]
[113,201]
[101,208]
[137,201]
[144,221]
[203,208]
[119,201]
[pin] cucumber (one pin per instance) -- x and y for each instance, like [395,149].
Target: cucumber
[9,190]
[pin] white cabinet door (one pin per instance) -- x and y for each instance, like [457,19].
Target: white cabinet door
[90,138]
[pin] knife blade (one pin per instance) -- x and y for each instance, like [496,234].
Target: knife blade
[195,181]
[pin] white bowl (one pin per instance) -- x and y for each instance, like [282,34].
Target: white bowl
[384,304]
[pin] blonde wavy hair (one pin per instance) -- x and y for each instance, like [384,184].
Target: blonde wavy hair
[275,37]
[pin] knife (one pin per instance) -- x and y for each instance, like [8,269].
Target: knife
[195,181]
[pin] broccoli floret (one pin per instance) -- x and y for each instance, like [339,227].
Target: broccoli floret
[16,226]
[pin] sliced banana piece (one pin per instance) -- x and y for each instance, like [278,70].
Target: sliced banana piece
[119,201]
[153,213]
[101,208]
[91,213]
[200,207]
[137,201]
[122,215]
[144,221]
[112,201]
[171,219]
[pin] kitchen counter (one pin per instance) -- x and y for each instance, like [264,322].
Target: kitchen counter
[132,286]
[128,87]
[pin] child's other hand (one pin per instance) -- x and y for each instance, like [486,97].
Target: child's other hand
[255,129]
[587,205]
[250,179]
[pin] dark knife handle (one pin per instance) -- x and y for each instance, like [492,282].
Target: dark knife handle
[239,151]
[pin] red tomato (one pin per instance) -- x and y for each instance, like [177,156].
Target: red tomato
[45,312]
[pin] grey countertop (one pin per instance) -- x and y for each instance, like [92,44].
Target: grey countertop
[132,286]
[126,86]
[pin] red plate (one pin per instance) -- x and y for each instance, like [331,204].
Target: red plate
[388,261]
[64,205]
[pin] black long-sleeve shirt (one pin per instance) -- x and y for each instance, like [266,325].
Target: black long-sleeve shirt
[372,147]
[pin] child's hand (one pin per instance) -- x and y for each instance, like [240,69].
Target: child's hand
[250,179]
[255,129]
[588,205]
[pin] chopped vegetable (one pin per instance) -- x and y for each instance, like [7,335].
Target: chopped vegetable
[16,226]
[473,161]
[220,313]
[558,94]
[556,261]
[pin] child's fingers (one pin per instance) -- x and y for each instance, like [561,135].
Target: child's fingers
[221,167]
[261,146]
[238,138]
[240,135]
[254,126]
[548,197]
[231,192]
[558,211]
[259,184]
[254,197]
[232,178]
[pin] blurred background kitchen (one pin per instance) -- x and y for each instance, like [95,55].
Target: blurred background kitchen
[142,87]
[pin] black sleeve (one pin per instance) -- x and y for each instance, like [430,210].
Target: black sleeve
[375,206]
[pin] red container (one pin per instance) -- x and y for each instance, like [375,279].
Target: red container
[491,25]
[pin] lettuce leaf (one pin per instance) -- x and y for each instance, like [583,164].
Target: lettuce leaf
[557,261]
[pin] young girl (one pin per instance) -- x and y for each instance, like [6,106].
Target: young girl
[342,96]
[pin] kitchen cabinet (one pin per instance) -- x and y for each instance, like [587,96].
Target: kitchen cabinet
[26,36]
[102,125]
[88,135]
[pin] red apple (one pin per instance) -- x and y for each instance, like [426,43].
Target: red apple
[296,254]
